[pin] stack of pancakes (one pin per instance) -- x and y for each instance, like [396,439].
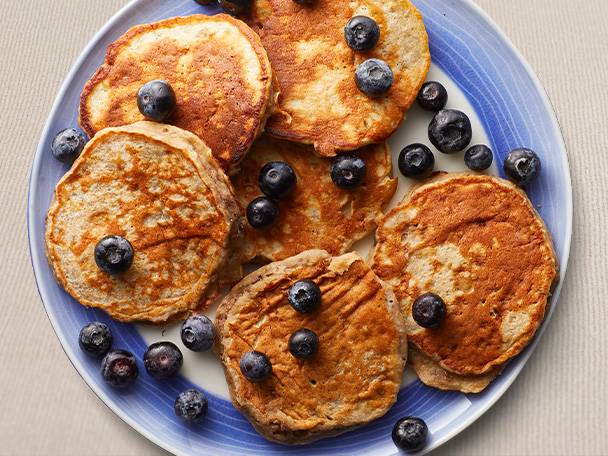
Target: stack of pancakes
[474,240]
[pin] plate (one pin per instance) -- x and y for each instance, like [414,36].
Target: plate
[485,76]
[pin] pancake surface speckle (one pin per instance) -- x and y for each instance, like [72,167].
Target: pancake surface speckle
[319,102]
[317,214]
[160,188]
[356,374]
[477,242]
[217,67]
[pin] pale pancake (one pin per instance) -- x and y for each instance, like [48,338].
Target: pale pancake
[160,188]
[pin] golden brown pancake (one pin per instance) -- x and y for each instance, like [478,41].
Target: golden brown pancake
[317,214]
[477,242]
[356,374]
[160,188]
[217,67]
[320,103]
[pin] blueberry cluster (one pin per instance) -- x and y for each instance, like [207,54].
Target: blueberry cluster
[276,180]
[450,132]
[305,297]
[162,360]
[373,76]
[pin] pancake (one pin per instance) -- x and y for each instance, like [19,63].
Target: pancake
[217,67]
[432,374]
[317,214]
[356,374]
[477,242]
[319,102]
[160,188]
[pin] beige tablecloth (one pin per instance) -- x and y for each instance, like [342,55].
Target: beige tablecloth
[557,406]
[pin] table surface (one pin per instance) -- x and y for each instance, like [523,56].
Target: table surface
[557,406]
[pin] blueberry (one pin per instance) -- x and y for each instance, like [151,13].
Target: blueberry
[522,166]
[204,2]
[303,343]
[236,6]
[156,100]
[255,366]
[163,359]
[432,96]
[428,310]
[450,131]
[361,33]
[348,171]
[262,212]
[478,158]
[191,405]
[119,368]
[374,77]
[198,333]
[416,160]
[95,339]
[304,296]
[114,254]
[67,145]
[410,433]
[304,2]
[277,179]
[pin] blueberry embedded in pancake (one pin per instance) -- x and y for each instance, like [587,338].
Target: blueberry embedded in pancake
[346,376]
[477,242]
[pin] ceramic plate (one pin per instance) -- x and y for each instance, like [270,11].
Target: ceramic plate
[485,76]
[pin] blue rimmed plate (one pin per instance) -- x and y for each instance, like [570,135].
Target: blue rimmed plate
[486,77]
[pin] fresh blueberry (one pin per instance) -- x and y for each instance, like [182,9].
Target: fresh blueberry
[374,77]
[236,7]
[428,310]
[478,158]
[450,131]
[191,405]
[304,296]
[255,366]
[277,179]
[303,343]
[410,433]
[67,145]
[348,171]
[416,160]
[361,33]
[262,212]
[304,2]
[95,339]
[119,368]
[156,100]
[114,254]
[198,333]
[522,166]
[163,359]
[432,96]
